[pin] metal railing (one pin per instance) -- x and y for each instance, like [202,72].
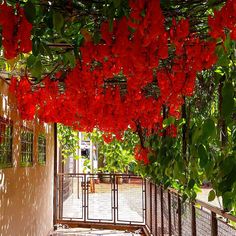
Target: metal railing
[166,214]
[128,200]
[101,198]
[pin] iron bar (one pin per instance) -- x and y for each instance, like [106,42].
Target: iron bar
[61,178]
[151,207]
[169,212]
[179,216]
[85,197]
[156,210]
[162,212]
[55,209]
[193,211]
[145,200]
[213,224]
[114,200]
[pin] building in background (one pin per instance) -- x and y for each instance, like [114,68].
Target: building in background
[88,161]
[88,157]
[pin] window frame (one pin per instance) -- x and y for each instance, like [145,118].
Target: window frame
[43,145]
[8,162]
[28,149]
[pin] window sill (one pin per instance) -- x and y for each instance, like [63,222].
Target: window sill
[6,165]
[26,164]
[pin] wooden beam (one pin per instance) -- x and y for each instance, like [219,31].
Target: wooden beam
[97,225]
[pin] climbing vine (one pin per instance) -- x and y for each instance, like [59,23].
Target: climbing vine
[164,69]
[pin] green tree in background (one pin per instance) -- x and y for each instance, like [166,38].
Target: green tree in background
[117,155]
[68,140]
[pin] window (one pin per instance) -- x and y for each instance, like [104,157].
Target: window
[26,147]
[42,149]
[6,128]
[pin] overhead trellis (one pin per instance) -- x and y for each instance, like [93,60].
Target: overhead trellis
[112,64]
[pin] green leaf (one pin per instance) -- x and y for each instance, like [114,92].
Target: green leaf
[58,21]
[191,183]
[227,200]
[36,69]
[227,43]
[96,37]
[168,121]
[181,122]
[196,133]
[211,2]
[30,11]
[31,60]
[227,165]
[228,99]
[211,196]
[47,50]
[202,153]
[184,197]
[228,90]
[209,129]
[79,40]
[36,46]
[117,3]
[223,57]
[227,106]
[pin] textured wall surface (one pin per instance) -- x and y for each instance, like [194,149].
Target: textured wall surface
[26,193]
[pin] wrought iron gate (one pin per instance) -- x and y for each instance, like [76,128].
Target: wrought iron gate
[103,198]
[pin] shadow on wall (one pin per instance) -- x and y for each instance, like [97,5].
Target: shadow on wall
[25,204]
[26,193]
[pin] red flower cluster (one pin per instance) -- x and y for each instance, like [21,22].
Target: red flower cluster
[171,131]
[110,89]
[141,154]
[222,20]
[25,98]
[16,31]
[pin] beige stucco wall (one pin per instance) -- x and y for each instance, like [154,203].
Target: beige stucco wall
[26,195]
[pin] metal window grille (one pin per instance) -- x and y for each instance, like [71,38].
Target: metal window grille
[26,147]
[6,129]
[42,149]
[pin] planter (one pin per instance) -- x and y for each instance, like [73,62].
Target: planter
[105,179]
[126,180]
[119,180]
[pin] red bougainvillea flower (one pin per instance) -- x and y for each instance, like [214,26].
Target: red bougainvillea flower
[8,21]
[25,97]
[16,31]
[24,33]
[122,80]
[223,19]
[107,137]
[141,154]
[171,131]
